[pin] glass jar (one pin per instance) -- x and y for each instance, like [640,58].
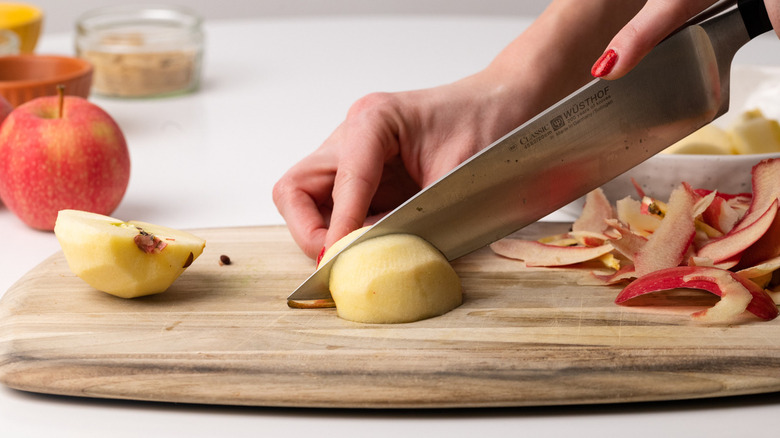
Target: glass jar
[141,51]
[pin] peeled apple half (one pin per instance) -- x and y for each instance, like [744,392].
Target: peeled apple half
[392,279]
[126,259]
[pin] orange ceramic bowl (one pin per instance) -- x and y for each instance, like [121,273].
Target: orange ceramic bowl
[25,77]
[24,20]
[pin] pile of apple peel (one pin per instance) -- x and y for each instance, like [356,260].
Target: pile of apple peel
[727,244]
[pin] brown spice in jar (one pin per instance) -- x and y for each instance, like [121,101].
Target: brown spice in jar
[142,73]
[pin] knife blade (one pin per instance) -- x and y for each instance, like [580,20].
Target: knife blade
[595,134]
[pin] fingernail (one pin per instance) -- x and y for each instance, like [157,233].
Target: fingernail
[319,257]
[604,65]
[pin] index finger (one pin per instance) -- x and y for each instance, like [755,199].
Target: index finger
[367,139]
[357,178]
[299,196]
[654,22]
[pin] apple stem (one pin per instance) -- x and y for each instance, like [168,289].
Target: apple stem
[61,94]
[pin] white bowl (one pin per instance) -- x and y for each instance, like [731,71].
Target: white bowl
[751,87]
[659,175]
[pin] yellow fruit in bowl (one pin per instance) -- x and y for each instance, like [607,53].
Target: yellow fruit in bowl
[392,279]
[126,259]
[25,21]
[750,133]
[753,133]
[709,140]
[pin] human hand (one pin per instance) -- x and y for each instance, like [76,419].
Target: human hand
[392,144]
[654,22]
[389,146]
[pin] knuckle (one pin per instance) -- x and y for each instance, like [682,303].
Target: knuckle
[280,191]
[352,180]
[373,104]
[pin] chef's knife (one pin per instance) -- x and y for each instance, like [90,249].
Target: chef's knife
[593,135]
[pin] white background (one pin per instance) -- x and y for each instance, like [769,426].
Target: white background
[256,115]
[61,14]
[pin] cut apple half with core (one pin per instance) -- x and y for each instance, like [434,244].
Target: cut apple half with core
[126,259]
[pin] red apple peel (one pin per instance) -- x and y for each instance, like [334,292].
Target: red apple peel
[539,254]
[669,244]
[729,286]
[766,190]
[739,238]
[624,240]
[595,212]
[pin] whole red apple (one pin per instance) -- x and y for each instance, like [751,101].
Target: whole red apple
[61,153]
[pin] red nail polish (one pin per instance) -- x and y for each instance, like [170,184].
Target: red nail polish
[319,257]
[604,65]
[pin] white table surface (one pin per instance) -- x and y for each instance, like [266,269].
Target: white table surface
[272,91]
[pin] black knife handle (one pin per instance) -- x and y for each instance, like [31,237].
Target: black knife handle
[755,17]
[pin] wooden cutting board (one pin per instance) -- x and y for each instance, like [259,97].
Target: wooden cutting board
[224,335]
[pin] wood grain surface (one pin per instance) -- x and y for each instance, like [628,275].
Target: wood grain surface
[224,335]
